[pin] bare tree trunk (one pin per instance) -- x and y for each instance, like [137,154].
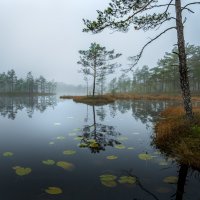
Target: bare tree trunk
[183,70]
[94,80]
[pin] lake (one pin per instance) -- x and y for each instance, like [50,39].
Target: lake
[58,149]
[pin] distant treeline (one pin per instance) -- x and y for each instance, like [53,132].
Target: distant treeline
[11,84]
[164,78]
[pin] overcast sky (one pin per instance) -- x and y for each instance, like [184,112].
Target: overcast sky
[44,36]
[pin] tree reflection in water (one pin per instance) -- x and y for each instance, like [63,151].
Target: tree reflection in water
[97,136]
[10,106]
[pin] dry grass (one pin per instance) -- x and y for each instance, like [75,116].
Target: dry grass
[90,100]
[178,137]
[132,96]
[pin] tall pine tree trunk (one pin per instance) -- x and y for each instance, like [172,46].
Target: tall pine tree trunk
[183,70]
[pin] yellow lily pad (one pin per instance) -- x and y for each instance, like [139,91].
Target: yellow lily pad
[120,146]
[127,180]
[53,190]
[171,179]
[8,154]
[145,156]
[48,162]
[21,171]
[69,152]
[65,165]
[112,157]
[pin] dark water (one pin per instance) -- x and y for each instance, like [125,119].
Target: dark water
[41,128]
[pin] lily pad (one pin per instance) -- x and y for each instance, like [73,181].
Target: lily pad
[22,171]
[127,180]
[60,138]
[48,162]
[65,165]
[131,148]
[170,179]
[145,156]
[112,157]
[78,138]
[8,154]
[94,145]
[82,145]
[120,146]
[51,143]
[69,152]
[109,183]
[72,134]
[53,190]
[108,177]
[108,180]
[57,124]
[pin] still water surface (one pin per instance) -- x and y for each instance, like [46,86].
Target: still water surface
[96,153]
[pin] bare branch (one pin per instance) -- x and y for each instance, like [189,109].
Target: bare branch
[189,4]
[138,57]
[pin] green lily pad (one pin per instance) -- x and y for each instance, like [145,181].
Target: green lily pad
[53,190]
[72,134]
[78,138]
[82,145]
[112,157]
[109,183]
[65,165]
[8,154]
[122,138]
[21,171]
[51,143]
[94,145]
[131,148]
[108,180]
[69,152]
[145,156]
[127,180]
[108,177]
[170,179]
[60,138]
[120,146]
[48,162]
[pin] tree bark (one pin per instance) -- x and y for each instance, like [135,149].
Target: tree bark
[183,70]
[94,80]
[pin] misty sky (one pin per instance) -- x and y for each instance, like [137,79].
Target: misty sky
[44,36]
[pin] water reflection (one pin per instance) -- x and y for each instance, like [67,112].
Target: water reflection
[10,106]
[97,136]
[146,111]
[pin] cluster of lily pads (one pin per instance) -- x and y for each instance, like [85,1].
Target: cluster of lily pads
[110,180]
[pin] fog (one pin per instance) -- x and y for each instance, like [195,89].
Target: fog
[44,36]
